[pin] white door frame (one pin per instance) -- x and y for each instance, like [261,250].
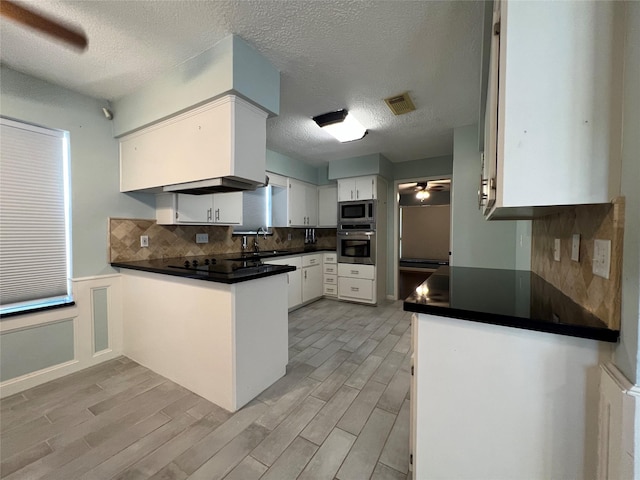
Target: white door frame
[396,222]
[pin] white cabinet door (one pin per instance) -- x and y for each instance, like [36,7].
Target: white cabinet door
[357,188]
[194,208]
[328,206]
[296,203]
[294,279]
[366,188]
[346,189]
[227,208]
[311,283]
[302,204]
[311,205]
[553,148]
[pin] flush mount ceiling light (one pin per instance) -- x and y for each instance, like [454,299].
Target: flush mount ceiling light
[342,125]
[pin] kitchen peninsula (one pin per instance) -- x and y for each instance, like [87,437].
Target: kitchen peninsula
[503,355]
[219,329]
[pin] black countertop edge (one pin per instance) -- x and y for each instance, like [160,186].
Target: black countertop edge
[592,333]
[228,278]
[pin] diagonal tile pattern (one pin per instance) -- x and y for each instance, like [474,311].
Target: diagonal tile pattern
[340,412]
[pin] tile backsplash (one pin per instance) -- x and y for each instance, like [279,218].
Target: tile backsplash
[168,241]
[599,295]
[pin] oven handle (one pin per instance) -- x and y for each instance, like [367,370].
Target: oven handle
[360,232]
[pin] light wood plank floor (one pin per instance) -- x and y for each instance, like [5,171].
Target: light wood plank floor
[342,411]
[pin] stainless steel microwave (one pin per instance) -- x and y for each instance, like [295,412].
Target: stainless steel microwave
[358,211]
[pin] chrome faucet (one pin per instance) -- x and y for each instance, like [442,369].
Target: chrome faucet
[244,244]
[256,247]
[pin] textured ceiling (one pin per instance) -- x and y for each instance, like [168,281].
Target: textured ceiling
[331,55]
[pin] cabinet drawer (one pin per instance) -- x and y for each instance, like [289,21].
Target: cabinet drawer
[331,269]
[294,261]
[310,260]
[356,271]
[331,290]
[331,279]
[330,258]
[355,288]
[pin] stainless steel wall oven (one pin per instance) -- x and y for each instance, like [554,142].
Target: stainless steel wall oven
[357,244]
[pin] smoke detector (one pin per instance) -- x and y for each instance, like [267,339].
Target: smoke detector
[400,104]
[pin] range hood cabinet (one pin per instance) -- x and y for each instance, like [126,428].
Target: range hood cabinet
[214,148]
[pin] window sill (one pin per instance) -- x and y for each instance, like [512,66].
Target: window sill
[43,308]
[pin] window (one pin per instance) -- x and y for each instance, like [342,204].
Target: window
[34,217]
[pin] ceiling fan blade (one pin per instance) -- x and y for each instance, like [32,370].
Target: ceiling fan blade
[34,20]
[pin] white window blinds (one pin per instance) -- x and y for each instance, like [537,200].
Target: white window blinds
[34,267]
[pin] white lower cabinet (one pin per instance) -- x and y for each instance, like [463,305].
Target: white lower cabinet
[330,274]
[294,279]
[306,283]
[357,282]
[311,277]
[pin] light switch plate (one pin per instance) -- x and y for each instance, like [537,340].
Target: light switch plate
[601,257]
[556,249]
[575,247]
[144,241]
[202,238]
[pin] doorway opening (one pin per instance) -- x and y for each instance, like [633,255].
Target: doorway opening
[422,231]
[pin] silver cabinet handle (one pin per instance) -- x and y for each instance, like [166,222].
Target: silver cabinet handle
[209,215]
[355,272]
[355,289]
[305,274]
[217,215]
[357,194]
[351,194]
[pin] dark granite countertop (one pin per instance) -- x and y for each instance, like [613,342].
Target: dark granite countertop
[511,298]
[221,268]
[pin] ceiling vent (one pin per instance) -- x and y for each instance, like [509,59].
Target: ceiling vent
[400,104]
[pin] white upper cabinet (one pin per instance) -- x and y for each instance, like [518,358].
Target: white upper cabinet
[357,188]
[553,107]
[226,137]
[328,206]
[302,203]
[216,209]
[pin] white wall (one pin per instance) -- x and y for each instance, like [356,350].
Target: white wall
[475,241]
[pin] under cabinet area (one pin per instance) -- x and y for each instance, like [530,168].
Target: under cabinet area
[217,209]
[553,117]
[357,188]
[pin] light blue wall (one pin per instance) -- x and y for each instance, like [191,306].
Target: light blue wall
[426,167]
[290,167]
[32,349]
[230,65]
[475,241]
[95,176]
[355,166]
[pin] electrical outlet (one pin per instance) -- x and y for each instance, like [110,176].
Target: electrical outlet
[202,238]
[144,241]
[556,249]
[601,258]
[575,247]
[288,236]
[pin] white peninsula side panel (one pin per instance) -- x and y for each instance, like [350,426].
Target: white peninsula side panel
[503,403]
[225,342]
